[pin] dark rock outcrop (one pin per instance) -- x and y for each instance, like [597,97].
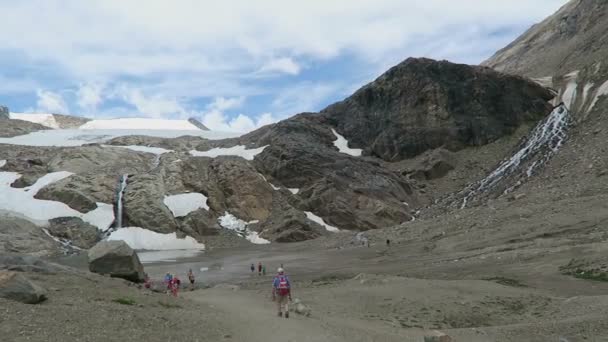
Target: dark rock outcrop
[16,287]
[117,259]
[4,113]
[422,104]
[80,233]
[21,236]
[12,128]
[198,124]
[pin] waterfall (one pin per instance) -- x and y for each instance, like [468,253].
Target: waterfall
[119,195]
[544,140]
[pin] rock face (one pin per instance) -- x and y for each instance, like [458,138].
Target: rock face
[435,164]
[69,121]
[144,207]
[198,124]
[80,233]
[571,39]
[21,236]
[15,286]
[116,259]
[12,128]
[423,104]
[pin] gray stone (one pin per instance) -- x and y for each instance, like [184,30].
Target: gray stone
[80,233]
[21,236]
[198,124]
[4,113]
[16,287]
[116,259]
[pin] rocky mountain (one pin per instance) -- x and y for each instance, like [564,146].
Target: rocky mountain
[371,161]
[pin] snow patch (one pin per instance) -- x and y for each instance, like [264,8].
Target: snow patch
[143,239]
[22,202]
[320,221]
[47,120]
[601,91]
[148,257]
[546,82]
[569,94]
[78,137]
[239,151]
[140,123]
[183,204]
[294,191]
[146,149]
[2,163]
[342,144]
[229,221]
[586,89]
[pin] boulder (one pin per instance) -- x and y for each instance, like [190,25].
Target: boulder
[144,207]
[74,229]
[433,165]
[27,263]
[21,236]
[300,308]
[198,124]
[437,336]
[16,287]
[117,259]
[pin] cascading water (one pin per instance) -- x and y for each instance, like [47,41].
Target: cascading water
[123,185]
[544,140]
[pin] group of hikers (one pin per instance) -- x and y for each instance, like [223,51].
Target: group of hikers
[281,286]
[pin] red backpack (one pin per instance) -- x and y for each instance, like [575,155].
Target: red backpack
[283,288]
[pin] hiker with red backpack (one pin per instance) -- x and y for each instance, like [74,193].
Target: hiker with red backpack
[281,292]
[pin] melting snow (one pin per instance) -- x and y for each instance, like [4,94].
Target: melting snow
[140,123]
[586,89]
[550,133]
[544,81]
[47,120]
[146,149]
[569,94]
[231,222]
[183,204]
[294,191]
[2,163]
[22,202]
[139,238]
[238,151]
[320,221]
[79,137]
[601,91]
[148,257]
[342,144]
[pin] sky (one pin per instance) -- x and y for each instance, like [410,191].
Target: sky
[234,64]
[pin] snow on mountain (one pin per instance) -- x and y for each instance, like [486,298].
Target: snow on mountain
[342,144]
[79,137]
[141,123]
[183,204]
[239,151]
[146,149]
[143,239]
[320,221]
[2,163]
[23,203]
[229,221]
[47,120]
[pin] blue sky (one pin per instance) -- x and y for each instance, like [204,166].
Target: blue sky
[235,65]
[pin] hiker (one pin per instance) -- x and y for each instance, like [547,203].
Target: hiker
[260,268]
[175,284]
[252,268]
[264,270]
[191,278]
[168,281]
[281,292]
[147,283]
[388,243]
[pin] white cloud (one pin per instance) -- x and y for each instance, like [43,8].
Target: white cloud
[50,102]
[283,65]
[216,119]
[89,96]
[303,97]
[221,103]
[152,106]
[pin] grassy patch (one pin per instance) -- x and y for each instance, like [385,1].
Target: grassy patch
[590,275]
[124,301]
[506,281]
[169,305]
[584,269]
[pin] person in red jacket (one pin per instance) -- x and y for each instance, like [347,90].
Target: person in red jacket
[281,292]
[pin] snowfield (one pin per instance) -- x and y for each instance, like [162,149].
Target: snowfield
[342,144]
[229,221]
[143,239]
[147,149]
[2,163]
[183,204]
[47,120]
[22,202]
[79,137]
[320,221]
[140,123]
[239,151]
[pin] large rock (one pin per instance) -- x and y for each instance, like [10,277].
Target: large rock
[143,204]
[27,263]
[198,124]
[74,229]
[433,165]
[13,128]
[81,192]
[117,259]
[16,287]
[21,236]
